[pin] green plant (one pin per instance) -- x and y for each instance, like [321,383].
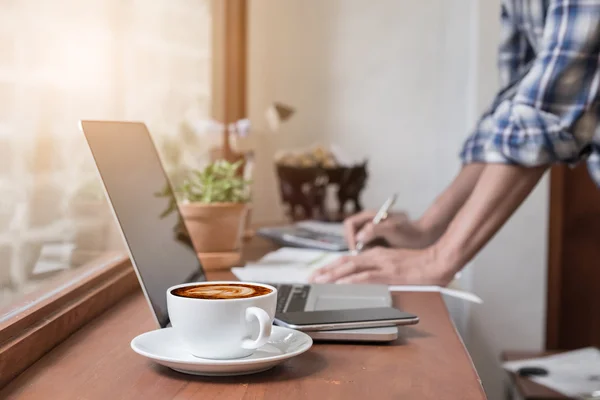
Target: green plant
[219,182]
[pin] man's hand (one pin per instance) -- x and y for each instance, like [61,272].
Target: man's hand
[501,189]
[389,266]
[398,230]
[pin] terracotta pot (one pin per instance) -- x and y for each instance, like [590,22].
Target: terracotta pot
[215,227]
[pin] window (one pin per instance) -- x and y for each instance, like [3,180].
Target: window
[66,60]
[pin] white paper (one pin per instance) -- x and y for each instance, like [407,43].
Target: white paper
[268,274]
[572,373]
[290,256]
[460,294]
[286,265]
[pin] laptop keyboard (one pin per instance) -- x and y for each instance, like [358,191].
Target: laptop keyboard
[291,297]
[283,293]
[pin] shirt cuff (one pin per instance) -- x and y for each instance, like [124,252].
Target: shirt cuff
[520,134]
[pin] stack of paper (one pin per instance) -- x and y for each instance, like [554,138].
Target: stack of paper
[574,373]
[286,265]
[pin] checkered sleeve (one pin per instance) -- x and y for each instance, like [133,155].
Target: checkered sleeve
[551,114]
[514,50]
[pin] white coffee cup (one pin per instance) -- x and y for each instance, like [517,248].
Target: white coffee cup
[222,328]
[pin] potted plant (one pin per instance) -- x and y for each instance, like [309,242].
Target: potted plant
[213,204]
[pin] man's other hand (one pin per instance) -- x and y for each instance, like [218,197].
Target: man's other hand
[388,266]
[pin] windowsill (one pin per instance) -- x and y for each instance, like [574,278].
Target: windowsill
[41,320]
[56,287]
[36,323]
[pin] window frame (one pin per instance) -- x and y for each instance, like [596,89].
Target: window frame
[35,325]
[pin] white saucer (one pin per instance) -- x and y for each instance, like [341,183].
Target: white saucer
[162,347]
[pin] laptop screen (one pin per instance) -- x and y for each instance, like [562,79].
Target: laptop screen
[133,177]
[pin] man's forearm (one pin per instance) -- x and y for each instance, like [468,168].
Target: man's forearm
[439,215]
[498,193]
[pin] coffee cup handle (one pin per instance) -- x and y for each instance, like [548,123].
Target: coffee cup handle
[264,331]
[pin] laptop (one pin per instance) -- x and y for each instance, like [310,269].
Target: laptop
[159,246]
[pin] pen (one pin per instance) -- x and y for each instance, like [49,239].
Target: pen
[381,215]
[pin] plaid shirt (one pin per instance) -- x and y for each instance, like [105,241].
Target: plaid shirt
[548,107]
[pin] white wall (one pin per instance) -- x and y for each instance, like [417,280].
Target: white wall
[289,49]
[401,83]
[377,77]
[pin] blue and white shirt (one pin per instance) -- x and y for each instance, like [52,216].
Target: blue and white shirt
[548,107]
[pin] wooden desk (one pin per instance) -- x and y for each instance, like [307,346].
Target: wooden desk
[428,361]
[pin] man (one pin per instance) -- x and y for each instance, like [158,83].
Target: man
[547,111]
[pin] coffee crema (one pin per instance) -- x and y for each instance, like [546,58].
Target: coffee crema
[221,291]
